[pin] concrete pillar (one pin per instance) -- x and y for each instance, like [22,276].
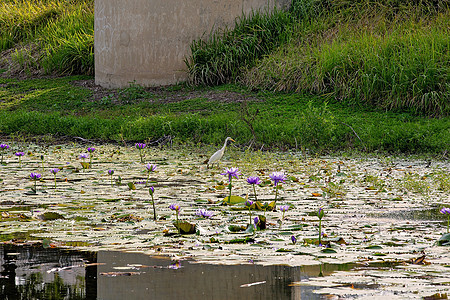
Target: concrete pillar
[146,41]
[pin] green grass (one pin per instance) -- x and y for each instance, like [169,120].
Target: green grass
[280,121]
[392,54]
[49,36]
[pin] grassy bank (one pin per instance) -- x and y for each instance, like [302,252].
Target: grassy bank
[47,36]
[207,116]
[391,54]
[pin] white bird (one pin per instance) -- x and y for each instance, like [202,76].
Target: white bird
[219,153]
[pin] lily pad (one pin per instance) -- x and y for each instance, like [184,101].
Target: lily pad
[233,200]
[185,227]
[444,240]
[50,216]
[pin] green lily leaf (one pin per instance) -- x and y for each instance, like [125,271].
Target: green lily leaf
[444,240]
[185,227]
[233,200]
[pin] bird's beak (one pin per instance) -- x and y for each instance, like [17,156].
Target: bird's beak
[232,140]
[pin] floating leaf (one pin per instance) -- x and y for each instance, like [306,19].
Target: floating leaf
[85,165]
[283,250]
[374,247]
[444,240]
[49,216]
[236,228]
[316,194]
[328,250]
[233,200]
[185,227]
[131,186]
[241,241]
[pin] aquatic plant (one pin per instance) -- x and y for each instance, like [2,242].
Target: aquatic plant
[91,151]
[42,161]
[176,208]
[84,164]
[140,147]
[293,239]
[446,211]
[54,171]
[3,147]
[283,209]
[277,177]
[35,177]
[150,168]
[111,173]
[254,180]
[256,223]
[249,204]
[151,191]
[320,215]
[19,155]
[201,212]
[231,172]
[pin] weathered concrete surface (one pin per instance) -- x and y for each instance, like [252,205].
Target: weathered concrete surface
[146,41]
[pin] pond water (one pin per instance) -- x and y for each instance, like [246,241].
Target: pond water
[379,233]
[33,272]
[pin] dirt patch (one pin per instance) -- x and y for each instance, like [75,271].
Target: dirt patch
[161,94]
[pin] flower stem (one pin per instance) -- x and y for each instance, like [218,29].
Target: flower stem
[55,181]
[154,210]
[254,192]
[276,194]
[320,232]
[448,222]
[111,180]
[178,225]
[229,187]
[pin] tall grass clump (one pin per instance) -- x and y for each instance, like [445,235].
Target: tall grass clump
[393,54]
[220,57]
[48,36]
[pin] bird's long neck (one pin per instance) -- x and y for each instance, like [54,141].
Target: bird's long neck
[225,144]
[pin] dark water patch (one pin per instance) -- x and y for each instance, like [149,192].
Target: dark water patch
[33,272]
[413,215]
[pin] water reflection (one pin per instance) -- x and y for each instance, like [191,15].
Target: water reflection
[32,272]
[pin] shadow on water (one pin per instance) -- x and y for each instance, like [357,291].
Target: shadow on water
[413,214]
[32,272]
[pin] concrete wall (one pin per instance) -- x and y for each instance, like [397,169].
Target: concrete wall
[147,40]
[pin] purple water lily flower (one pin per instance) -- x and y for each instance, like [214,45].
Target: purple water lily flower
[91,149]
[19,154]
[277,177]
[151,168]
[140,146]
[254,180]
[151,190]
[83,155]
[175,207]
[293,239]
[35,176]
[204,213]
[110,172]
[445,210]
[231,172]
[249,203]
[284,208]
[255,222]
[3,147]
[54,171]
